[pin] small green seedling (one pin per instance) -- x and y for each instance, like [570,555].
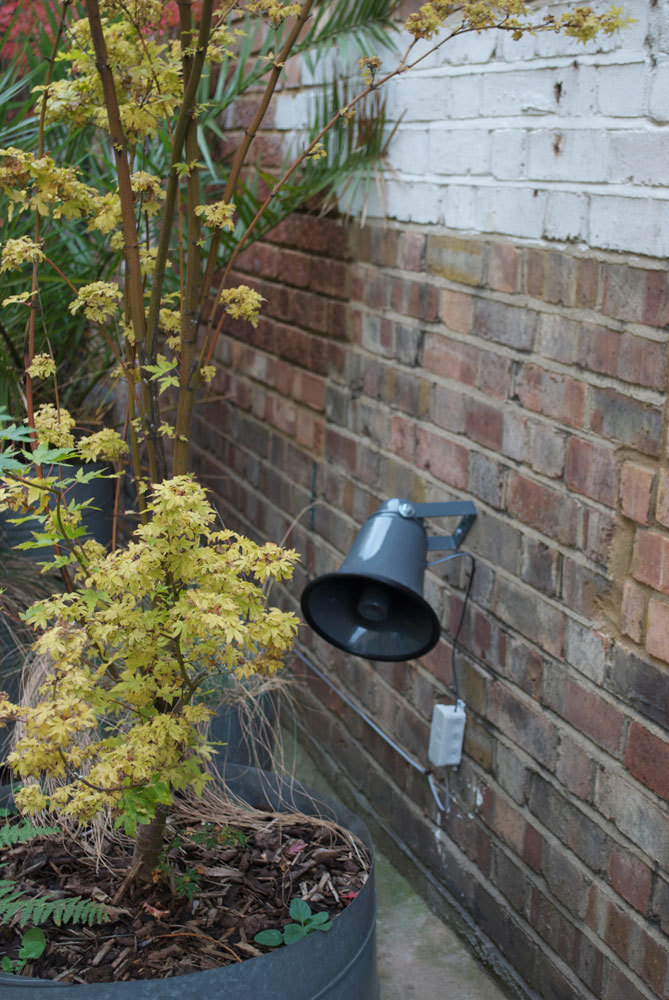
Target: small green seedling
[306,922]
[33,944]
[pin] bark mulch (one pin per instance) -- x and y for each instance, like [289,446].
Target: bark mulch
[217,887]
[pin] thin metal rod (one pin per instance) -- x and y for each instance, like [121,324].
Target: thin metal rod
[384,736]
[377,730]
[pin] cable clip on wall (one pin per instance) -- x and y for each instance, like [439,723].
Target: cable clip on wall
[373,606]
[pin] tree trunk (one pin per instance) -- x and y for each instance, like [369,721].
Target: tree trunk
[149,844]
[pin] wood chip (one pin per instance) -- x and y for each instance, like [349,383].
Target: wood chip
[102,951]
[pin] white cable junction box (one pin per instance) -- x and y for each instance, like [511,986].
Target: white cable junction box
[447,734]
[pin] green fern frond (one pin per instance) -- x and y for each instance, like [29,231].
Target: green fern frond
[37,910]
[23,833]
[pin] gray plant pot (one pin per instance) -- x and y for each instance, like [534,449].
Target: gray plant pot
[339,964]
[245,735]
[97,519]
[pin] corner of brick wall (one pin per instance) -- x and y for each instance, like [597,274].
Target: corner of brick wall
[412,362]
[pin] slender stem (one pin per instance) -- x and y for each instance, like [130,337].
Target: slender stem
[190,293]
[29,340]
[180,129]
[134,281]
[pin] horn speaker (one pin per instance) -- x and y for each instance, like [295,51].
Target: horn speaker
[373,606]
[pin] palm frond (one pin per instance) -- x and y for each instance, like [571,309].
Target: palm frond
[353,165]
[363,25]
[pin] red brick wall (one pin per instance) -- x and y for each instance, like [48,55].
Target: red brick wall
[408,362]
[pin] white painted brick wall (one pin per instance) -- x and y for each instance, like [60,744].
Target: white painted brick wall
[542,139]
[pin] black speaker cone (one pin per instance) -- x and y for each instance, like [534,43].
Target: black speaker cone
[370,616]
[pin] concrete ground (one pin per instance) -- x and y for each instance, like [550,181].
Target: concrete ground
[419,955]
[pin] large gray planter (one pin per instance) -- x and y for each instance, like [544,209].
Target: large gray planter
[339,964]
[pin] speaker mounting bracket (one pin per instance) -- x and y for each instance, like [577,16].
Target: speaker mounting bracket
[464,509]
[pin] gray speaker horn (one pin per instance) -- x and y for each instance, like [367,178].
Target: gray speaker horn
[373,606]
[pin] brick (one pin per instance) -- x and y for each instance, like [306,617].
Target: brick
[524,666]
[294,268]
[377,290]
[403,438]
[532,847]
[329,277]
[570,823]
[642,361]
[377,335]
[529,613]
[510,325]
[650,560]
[619,418]
[634,813]
[514,438]
[624,292]
[617,930]
[448,408]
[557,396]
[497,541]
[450,358]
[521,724]
[656,299]
[547,450]
[535,272]
[321,235]
[408,344]
[592,470]
[660,904]
[505,819]
[591,715]
[557,337]
[639,683]
[412,251]
[587,650]
[618,985]
[511,774]
[564,878]
[662,510]
[446,460]
[598,527]
[587,282]
[575,768]
[598,349]
[385,244]
[632,611]
[308,389]
[406,392]
[456,259]
[503,267]
[260,259]
[631,878]
[486,480]
[560,271]
[439,662]
[636,483]
[647,759]
[651,964]
[456,310]
[541,567]
[495,375]
[543,508]
[340,449]
[483,423]
[554,927]
[417,299]
[583,589]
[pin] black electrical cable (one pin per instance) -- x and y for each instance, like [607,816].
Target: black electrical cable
[459,555]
